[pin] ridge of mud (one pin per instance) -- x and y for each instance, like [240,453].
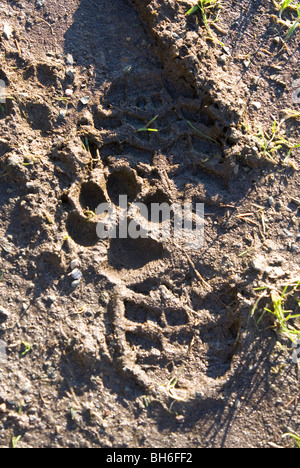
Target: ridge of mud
[184,56]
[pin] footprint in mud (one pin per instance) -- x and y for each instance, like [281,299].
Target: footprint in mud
[81,230]
[150,332]
[156,342]
[155,338]
[133,254]
[39,116]
[82,222]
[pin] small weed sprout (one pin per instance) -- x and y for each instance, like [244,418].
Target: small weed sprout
[15,441]
[147,127]
[26,348]
[205,8]
[272,142]
[283,318]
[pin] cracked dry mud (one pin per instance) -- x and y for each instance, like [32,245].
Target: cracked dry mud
[155,346]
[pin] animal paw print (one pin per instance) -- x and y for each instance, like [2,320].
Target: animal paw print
[149,333]
[153,336]
[169,349]
[105,186]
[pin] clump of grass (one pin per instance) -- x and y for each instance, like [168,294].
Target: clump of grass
[206,8]
[273,142]
[284,319]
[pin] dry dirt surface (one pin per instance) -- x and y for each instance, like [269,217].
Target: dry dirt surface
[145,343]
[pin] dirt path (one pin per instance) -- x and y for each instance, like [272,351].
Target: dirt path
[145,343]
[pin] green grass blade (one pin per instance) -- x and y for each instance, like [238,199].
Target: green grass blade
[147,129]
[151,121]
[203,135]
[192,10]
[292,29]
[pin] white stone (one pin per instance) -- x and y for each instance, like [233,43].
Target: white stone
[256,105]
[259,264]
[69,92]
[75,264]
[7,31]
[76,274]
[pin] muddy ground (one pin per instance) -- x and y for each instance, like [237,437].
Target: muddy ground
[155,345]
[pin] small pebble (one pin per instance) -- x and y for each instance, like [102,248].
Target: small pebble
[222,59]
[75,264]
[75,284]
[259,264]
[256,105]
[7,31]
[180,419]
[69,92]
[70,60]
[275,272]
[287,232]
[271,201]
[76,274]
[155,352]
[85,100]
[32,187]
[3,408]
